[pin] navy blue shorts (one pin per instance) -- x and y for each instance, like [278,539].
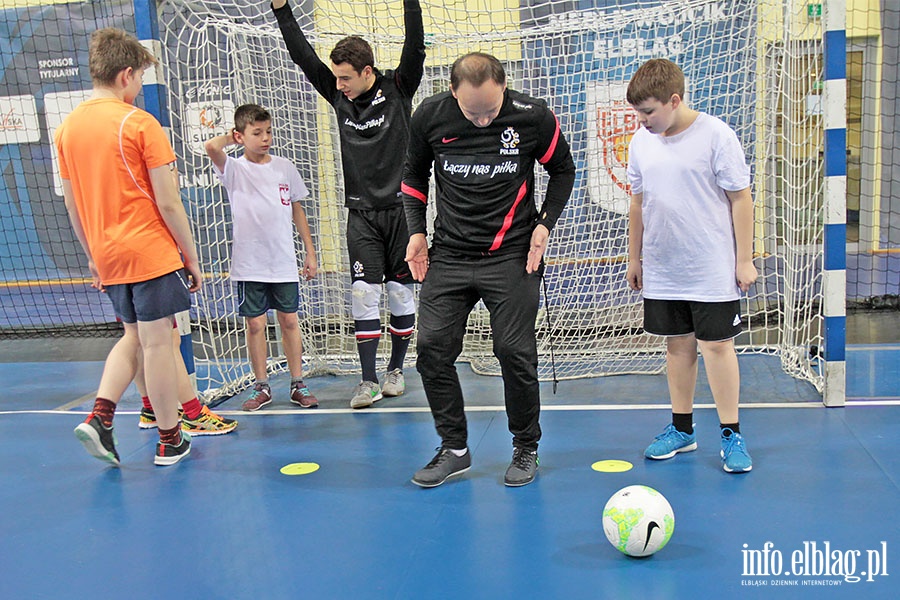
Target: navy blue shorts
[255,298]
[376,243]
[151,300]
[708,321]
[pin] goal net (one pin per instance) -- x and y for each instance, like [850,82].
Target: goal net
[756,64]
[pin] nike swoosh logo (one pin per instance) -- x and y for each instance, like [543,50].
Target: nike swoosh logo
[650,527]
[448,140]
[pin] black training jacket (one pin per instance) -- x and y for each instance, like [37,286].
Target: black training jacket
[484,177]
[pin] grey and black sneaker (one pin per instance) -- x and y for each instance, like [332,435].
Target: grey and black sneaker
[365,394]
[523,468]
[98,440]
[394,383]
[444,465]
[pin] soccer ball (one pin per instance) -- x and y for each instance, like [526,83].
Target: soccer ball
[638,520]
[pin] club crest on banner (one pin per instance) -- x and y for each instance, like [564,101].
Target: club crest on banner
[616,123]
[611,124]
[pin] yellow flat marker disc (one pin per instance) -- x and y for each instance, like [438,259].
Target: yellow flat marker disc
[612,466]
[299,469]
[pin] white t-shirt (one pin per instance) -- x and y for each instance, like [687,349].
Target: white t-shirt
[688,242]
[262,218]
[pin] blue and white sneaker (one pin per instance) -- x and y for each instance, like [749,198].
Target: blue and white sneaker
[734,453]
[669,443]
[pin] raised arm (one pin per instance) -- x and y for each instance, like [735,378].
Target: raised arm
[412,58]
[215,148]
[303,54]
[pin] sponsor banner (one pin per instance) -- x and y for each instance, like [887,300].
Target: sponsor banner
[19,120]
[208,111]
[205,120]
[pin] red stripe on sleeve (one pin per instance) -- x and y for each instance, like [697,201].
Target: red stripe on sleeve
[411,191]
[507,221]
[547,155]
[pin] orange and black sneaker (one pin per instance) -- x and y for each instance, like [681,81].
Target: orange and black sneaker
[208,423]
[147,419]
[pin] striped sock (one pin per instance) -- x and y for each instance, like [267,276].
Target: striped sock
[105,410]
[172,436]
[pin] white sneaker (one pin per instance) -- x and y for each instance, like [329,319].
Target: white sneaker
[365,394]
[394,383]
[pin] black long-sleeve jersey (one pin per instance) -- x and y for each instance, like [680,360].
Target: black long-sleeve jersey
[484,176]
[374,127]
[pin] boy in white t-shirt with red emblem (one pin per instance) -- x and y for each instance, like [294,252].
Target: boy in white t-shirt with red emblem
[690,251]
[265,193]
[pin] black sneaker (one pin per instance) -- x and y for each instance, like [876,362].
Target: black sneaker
[98,440]
[444,465]
[523,468]
[167,454]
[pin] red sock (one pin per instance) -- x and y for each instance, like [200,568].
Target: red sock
[171,436]
[192,408]
[105,409]
[146,401]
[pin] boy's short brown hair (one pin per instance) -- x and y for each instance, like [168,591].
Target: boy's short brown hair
[355,51]
[247,114]
[112,51]
[657,78]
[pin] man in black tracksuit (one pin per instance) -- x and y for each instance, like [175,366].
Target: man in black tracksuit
[373,112]
[489,239]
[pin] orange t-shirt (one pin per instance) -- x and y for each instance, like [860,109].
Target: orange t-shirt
[106,149]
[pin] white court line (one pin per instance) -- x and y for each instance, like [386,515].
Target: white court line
[871,347]
[498,408]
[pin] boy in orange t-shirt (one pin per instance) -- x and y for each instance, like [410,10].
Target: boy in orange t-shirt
[121,193]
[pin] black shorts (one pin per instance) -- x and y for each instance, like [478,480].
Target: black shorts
[376,243]
[150,300]
[708,321]
[255,298]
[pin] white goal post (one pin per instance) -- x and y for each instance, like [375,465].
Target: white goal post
[757,64]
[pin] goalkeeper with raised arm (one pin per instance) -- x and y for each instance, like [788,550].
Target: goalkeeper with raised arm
[373,112]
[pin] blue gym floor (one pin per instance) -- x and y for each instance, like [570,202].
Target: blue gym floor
[226,523]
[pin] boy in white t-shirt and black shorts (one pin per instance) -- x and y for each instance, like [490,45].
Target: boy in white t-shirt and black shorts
[265,193]
[690,251]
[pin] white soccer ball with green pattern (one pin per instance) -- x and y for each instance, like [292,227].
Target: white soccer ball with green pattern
[638,520]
